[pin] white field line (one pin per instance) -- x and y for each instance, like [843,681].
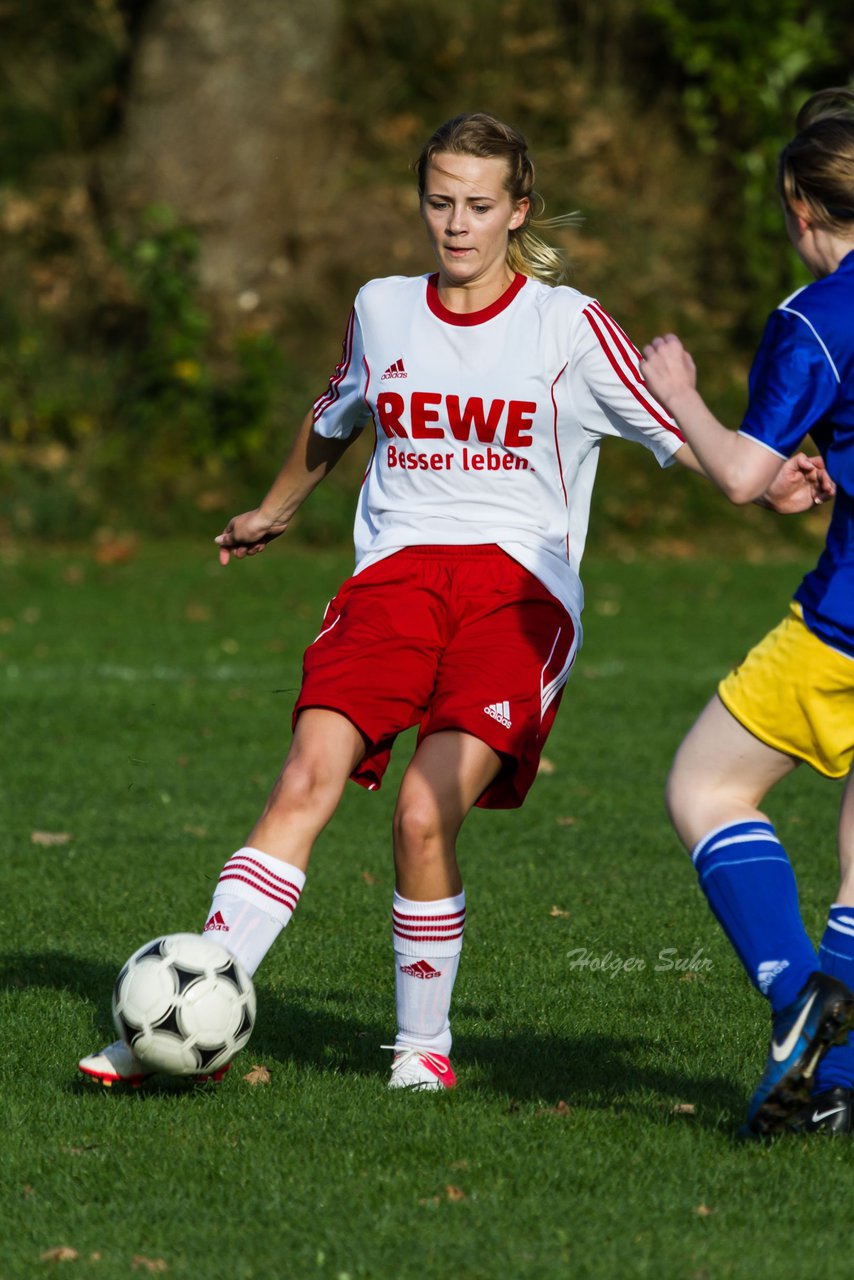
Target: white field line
[118,673]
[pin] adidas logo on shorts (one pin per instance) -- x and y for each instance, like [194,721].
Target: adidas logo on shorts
[499,711]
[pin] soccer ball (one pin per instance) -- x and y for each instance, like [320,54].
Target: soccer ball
[184,1005]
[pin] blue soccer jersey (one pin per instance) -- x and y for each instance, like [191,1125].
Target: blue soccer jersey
[802,382]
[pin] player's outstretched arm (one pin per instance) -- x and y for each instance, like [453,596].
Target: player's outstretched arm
[310,459]
[743,469]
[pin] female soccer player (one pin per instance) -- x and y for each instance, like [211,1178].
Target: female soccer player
[490,388]
[792,698]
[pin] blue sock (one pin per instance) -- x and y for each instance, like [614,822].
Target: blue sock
[746,875]
[836,956]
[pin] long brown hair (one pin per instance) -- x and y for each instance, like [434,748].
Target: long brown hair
[816,168]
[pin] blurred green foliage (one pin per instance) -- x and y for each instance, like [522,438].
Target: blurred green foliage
[60,68]
[124,400]
[742,73]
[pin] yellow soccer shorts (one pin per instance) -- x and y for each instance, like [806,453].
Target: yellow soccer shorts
[796,693]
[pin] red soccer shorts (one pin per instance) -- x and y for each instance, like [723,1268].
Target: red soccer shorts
[460,638]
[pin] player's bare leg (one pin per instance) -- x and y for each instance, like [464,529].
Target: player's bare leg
[721,774]
[845,896]
[326,748]
[261,883]
[444,779]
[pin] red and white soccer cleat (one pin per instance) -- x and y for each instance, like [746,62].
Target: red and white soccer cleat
[115,1064]
[419,1069]
[118,1064]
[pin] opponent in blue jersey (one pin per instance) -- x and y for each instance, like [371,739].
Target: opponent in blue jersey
[792,699]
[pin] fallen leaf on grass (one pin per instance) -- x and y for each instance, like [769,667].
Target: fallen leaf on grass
[559,1109]
[60,1253]
[546,766]
[683,1109]
[703,1211]
[115,548]
[194,612]
[455,1194]
[368,878]
[154,1265]
[51,837]
[558,911]
[258,1075]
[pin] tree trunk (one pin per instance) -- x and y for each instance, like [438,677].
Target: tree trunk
[228,122]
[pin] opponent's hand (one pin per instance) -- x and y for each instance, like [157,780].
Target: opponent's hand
[246,535]
[801,484]
[668,369]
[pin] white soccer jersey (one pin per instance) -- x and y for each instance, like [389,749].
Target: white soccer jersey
[487,424]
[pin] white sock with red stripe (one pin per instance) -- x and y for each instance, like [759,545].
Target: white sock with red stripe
[428,939]
[253,901]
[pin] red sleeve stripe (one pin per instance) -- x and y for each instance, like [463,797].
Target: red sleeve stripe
[557,449]
[621,338]
[625,367]
[331,393]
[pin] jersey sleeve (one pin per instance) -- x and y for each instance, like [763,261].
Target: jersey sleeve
[616,401]
[342,408]
[793,384]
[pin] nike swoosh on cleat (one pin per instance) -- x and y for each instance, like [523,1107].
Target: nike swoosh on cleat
[779,1052]
[823,1115]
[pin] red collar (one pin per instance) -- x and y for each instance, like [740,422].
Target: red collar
[471,317]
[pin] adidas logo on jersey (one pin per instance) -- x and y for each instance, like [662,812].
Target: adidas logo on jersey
[395,370]
[421,969]
[216,923]
[499,711]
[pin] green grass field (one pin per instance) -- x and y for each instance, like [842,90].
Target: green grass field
[145,709]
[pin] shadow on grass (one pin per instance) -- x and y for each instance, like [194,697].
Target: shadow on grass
[306,1027]
[596,1072]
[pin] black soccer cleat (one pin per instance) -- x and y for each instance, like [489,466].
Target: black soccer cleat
[821,1015]
[827,1112]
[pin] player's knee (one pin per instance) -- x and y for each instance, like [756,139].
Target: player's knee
[303,785]
[417,829]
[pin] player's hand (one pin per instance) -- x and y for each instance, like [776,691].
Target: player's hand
[246,535]
[801,484]
[668,369]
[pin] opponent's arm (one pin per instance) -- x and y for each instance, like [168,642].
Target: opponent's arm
[311,457]
[741,468]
